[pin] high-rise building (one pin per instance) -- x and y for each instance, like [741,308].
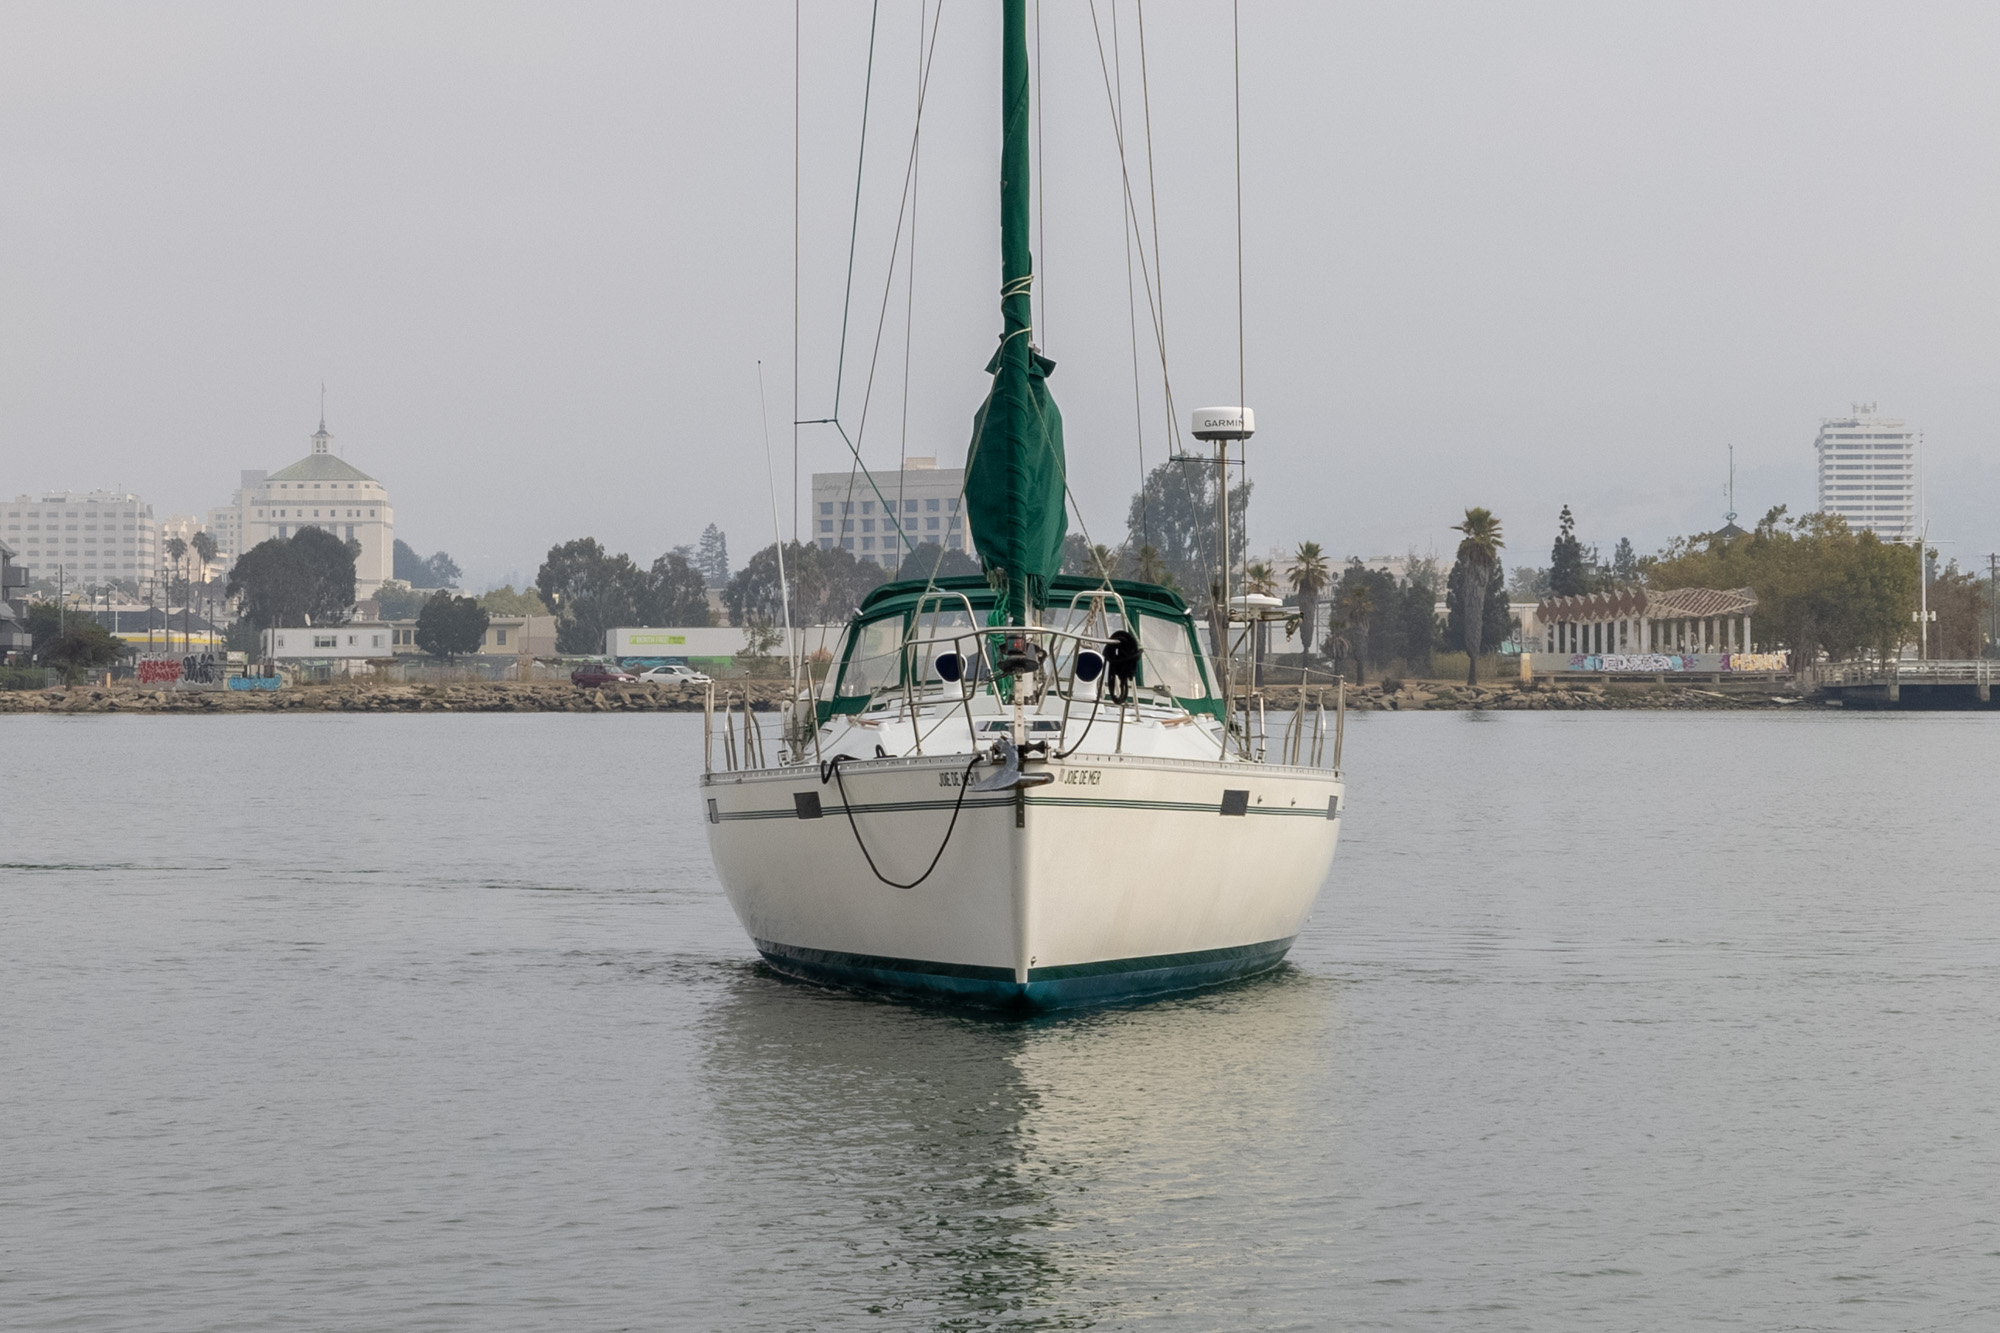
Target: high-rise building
[1868,473]
[322,491]
[921,503]
[88,537]
[225,524]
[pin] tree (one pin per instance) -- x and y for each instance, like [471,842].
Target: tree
[1567,575]
[1357,608]
[45,621]
[1478,561]
[931,561]
[1150,567]
[1496,617]
[1958,600]
[449,626]
[711,557]
[1417,618]
[504,601]
[1528,584]
[1174,514]
[1087,560]
[82,645]
[826,586]
[675,593]
[397,600]
[1820,586]
[590,591]
[434,571]
[305,579]
[1308,579]
[205,550]
[441,571]
[176,550]
[1624,562]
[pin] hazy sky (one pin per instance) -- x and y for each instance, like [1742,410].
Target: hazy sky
[1511,255]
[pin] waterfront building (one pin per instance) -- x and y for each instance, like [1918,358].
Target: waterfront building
[506,636]
[1635,621]
[356,642]
[1868,473]
[923,502]
[14,637]
[87,537]
[323,491]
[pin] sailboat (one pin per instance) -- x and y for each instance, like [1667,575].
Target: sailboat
[1026,791]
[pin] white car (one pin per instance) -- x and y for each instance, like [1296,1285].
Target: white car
[672,675]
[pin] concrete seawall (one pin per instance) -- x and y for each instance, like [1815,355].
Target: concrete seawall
[561,697]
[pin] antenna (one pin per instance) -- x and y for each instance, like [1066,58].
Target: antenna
[322,404]
[1730,517]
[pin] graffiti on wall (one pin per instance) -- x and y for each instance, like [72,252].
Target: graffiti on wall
[1757,661]
[1650,663]
[1659,664]
[201,669]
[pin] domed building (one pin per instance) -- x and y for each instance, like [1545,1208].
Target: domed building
[322,491]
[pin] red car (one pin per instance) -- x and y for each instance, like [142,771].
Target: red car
[594,674]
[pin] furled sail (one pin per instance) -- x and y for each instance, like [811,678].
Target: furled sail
[1014,475]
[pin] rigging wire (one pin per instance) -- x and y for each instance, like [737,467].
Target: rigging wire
[796,16]
[777,532]
[854,229]
[910,283]
[1041,195]
[904,209]
[1153,203]
[1131,292]
[1153,308]
[1236,74]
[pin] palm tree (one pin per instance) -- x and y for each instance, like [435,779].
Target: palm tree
[1308,579]
[1478,552]
[204,547]
[1260,578]
[1152,568]
[1356,607]
[177,549]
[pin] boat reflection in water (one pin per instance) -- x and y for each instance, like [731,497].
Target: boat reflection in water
[957,1169]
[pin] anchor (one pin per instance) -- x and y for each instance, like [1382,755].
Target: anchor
[1010,777]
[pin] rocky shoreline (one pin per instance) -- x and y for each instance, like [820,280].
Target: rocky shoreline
[562,697]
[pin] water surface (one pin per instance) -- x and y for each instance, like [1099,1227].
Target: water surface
[1604,1021]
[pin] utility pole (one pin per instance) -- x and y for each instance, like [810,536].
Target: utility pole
[1993,600]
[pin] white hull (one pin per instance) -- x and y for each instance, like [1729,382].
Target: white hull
[1124,876]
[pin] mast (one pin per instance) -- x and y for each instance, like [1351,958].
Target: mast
[1014,472]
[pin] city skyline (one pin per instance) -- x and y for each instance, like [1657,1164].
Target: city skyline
[1564,256]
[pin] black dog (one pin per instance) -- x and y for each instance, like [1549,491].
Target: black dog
[1121,666]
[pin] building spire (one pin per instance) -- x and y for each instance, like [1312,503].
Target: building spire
[322,440]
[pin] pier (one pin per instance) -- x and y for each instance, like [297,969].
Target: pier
[1964,684]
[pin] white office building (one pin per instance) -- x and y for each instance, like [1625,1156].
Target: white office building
[88,537]
[1868,473]
[225,523]
[878,522]
[323,491]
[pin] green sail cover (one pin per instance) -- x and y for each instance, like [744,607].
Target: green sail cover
[1014,472]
